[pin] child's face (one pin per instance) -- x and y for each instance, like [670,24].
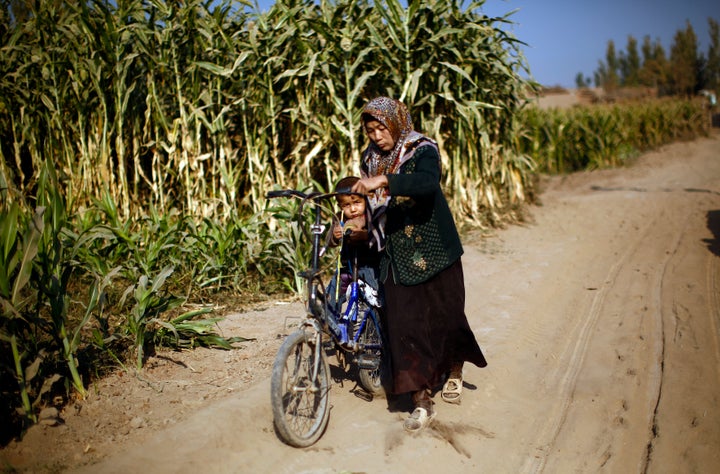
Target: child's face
[352,206]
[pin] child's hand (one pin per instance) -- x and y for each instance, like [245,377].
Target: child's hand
[356,223]
[356,235]
[337,232]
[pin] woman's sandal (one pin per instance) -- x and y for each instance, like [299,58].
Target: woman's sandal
[419,419]
[452,391]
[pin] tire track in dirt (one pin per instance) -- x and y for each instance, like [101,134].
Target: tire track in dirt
[686,422]
[713,285]
[571,363]
[662,339]
[665,410]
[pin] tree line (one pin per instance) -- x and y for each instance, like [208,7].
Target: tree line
[685,71]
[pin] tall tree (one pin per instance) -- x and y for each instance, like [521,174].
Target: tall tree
[607,73]
[630,64]
[684,62]
[712,66]
[653,72]
[581,81]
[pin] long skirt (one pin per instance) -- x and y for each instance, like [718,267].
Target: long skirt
[427,330]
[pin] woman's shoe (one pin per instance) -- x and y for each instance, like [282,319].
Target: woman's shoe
[419,419]
[452,391]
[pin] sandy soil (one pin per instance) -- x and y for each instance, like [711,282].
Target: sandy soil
[599,319]
[564,100]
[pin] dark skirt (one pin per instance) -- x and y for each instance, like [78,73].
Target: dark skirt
[427,330]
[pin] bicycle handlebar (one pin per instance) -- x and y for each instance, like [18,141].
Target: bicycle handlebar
[285,193]
[312,195]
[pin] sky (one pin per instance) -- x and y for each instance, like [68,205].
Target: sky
[567,37]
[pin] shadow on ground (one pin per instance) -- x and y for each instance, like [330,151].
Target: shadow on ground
[713,223]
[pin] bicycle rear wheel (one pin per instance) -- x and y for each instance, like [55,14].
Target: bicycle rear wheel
[373,370]
[301,405]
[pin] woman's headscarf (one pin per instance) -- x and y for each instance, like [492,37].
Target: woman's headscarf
[394,115]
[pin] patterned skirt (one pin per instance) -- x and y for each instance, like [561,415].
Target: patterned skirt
[427,330]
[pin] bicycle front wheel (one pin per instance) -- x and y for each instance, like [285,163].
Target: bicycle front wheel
[300,403]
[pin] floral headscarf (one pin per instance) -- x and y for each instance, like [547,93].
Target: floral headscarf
[394,115]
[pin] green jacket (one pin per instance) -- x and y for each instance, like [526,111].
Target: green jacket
[422,238]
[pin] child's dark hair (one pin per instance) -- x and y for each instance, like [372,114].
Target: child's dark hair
[345,184]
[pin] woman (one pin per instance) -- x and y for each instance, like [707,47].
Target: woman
[421,271]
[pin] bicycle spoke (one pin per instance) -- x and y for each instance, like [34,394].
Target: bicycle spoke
[303,398]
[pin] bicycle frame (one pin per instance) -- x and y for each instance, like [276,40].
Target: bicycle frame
[353,314]
[320,312]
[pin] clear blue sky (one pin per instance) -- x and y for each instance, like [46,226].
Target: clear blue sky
[565,37]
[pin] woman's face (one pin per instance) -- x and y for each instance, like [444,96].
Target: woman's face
[380,135]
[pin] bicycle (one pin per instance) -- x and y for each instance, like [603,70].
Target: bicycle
[300,381]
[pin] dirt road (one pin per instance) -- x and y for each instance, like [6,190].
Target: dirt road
[600,321]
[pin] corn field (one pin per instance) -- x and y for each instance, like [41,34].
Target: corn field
[204,106]
[563,141]
[138,139]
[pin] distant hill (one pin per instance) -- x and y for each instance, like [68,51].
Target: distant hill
[558,97]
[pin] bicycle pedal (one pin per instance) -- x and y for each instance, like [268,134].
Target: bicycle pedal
[368,362]
[346,345]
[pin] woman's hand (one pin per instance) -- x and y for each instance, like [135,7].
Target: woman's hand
[367,185]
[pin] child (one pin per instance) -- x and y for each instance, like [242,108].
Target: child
[349,229]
